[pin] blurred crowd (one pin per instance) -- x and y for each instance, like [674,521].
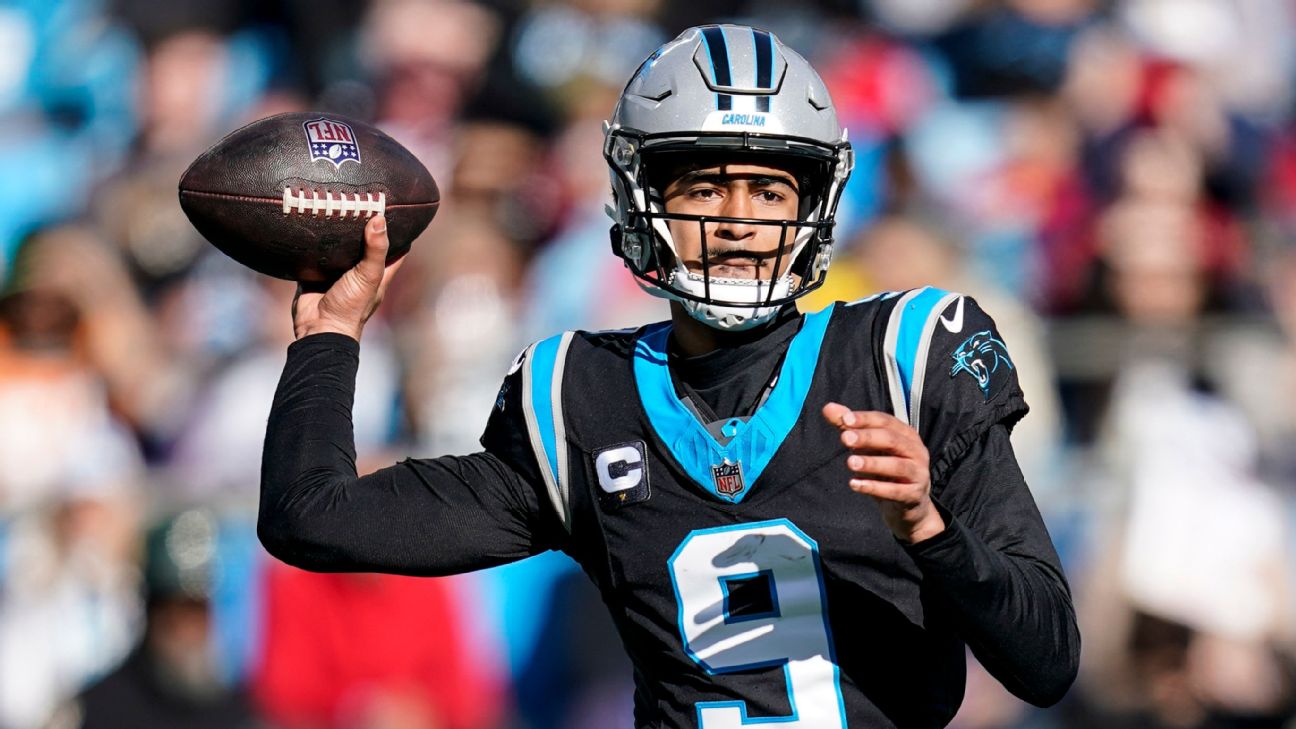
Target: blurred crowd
[1114,180]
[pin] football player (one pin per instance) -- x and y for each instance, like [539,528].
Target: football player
[794,519]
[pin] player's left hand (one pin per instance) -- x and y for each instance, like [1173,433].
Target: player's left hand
[892,466]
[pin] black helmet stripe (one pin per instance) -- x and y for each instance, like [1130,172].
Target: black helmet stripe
[764,66]
[715,43]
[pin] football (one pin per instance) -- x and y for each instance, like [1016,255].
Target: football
[289,195]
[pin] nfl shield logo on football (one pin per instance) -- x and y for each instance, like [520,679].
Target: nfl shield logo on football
[728,478]
[331,140]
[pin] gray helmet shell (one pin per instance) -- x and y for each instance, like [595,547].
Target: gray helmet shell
[724,88]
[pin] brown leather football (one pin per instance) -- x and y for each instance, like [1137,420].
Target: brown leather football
[289,195]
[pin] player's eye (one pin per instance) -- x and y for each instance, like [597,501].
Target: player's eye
[770,197]
[704,194]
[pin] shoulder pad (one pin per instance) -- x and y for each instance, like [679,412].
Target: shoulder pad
[534,386]
[949,372]
[907,342]
[542,378]
[943,352]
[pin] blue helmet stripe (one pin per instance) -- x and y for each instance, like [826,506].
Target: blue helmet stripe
[764,66]
[714,38]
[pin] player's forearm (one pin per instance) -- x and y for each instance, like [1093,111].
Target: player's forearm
[1014,612]
[309,453]
[998,577]
[315,512]
[422,517]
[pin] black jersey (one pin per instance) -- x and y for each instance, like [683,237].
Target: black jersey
[749,584]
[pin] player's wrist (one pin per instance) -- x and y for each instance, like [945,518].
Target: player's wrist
[925,528]
[324,327]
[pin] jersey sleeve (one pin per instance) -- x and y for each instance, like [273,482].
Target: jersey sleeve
[950,373]
[997,577]
[527,429]
[506,434]
[994,567]
[426,516]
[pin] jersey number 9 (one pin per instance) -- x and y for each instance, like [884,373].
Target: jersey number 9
[752,596]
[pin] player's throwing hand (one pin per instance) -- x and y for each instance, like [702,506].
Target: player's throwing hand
[349,301]
[891,465]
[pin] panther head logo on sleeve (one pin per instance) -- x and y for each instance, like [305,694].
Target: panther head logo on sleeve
[981,355]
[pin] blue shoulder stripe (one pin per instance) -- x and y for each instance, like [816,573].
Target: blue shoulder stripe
[542,404]
[908,337]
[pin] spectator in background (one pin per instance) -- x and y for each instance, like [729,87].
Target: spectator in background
[610,298]
[195,85]
[1188,558]
[427,60]
[172,679]
[70,479]
[116,339]
[181,111]
[358,651]
[70,609]
[1191,576]
[579,55]
[464,325]
[63,323]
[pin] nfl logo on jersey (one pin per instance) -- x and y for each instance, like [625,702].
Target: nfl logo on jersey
[331,140]
[728,478]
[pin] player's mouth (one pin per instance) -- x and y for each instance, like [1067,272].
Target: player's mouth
[737,264]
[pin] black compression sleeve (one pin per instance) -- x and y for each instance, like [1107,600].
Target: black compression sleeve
[419,517]
[995,573]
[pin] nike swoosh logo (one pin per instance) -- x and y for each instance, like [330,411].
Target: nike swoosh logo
[955,324]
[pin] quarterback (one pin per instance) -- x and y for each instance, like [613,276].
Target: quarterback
[801,520]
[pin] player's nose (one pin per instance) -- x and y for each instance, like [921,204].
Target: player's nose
[737,204]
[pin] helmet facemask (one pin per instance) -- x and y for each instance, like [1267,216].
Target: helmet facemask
[642,168]
[732,94]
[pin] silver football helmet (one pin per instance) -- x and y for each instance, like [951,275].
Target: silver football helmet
[728,90]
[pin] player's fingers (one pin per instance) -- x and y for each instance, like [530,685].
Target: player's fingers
[374,263]
[305,306]
[869,419]
[885,440]
[844,417]
[307,296]
[890,468]
[899,429]
[902,493]
[835,412]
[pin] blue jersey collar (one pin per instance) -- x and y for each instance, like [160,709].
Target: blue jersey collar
[727,472]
